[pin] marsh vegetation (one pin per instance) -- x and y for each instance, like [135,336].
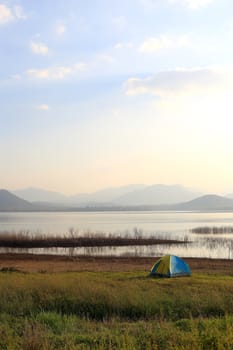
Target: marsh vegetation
[212,230]
[134,243]
[27,239]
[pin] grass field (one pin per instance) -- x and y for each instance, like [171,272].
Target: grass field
[115,310]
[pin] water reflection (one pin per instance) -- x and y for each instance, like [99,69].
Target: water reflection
[164,225]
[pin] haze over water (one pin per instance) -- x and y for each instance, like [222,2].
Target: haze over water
[177,223]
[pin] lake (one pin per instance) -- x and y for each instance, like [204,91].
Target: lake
[163,224]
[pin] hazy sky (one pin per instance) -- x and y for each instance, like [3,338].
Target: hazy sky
[99,93]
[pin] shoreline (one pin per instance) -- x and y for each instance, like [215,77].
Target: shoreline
[60,263]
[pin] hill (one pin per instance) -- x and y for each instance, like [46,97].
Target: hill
[105,196]
[157,195]
[10,202]
[207,202]
[32,194]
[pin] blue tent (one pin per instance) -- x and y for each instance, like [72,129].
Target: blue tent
[170,266]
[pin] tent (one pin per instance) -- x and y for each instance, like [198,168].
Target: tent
[170,266]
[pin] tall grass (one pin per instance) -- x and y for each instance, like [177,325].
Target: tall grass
[51,331]
[115,311]
[126,295]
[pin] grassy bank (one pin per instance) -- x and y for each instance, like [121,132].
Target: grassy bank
[115,311]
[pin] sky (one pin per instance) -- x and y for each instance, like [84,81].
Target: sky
[105,93]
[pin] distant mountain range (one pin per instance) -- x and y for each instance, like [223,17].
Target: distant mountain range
[120,196]
[139,197]
[104,196]
[108,195]
[157,195]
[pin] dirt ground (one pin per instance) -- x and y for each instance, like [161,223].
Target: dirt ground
[45,263]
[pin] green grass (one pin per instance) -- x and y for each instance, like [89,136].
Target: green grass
[115,311]
[55,331]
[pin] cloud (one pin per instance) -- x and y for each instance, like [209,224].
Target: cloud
[8,14]
[156,44]
[19,12]
[43,107]
[55,73]
[123,45]
[61,29]
[106,58]
[39,48]
[182,82]
[193,4]
[190,4]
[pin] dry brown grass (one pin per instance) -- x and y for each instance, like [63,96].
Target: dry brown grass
[51,263]
[25,239]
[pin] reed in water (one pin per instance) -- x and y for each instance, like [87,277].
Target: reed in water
[27,239]
[212,229]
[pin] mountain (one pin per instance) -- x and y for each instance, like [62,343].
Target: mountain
[39,195]
[107,195]
[211,202]
[207,202]
[130,195]
[157,195]
[10,202]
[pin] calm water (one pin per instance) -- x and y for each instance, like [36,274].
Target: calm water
[163,224]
